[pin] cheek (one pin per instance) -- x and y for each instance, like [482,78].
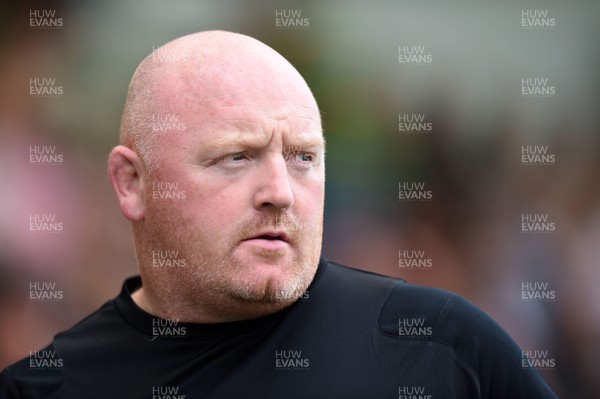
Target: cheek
[211,206]
[309,199]
[214,205]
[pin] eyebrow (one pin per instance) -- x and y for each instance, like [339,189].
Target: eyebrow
[307,140]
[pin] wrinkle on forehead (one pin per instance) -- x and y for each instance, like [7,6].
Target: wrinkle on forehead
[259,133]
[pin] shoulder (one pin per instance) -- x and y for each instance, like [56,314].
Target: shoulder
[444,318]
[37,376]
[345,287]
[40,374]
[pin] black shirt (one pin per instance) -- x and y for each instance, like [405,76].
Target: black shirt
[353,334]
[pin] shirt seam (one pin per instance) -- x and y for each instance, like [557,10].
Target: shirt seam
[468,366]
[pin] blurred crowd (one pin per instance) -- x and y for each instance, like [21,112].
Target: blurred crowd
[470,230]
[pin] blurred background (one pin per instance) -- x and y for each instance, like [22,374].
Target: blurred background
[471,88]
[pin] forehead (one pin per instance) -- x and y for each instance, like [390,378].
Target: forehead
[248,107]
[258,127]
[282,115]
[260,98]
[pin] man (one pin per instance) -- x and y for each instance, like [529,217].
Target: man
[220,169]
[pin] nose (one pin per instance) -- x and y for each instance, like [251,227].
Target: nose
[274,186]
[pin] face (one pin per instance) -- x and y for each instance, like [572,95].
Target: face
[250,226]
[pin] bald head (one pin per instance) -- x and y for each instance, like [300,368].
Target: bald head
[192,76]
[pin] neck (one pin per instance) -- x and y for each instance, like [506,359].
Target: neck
[226,310]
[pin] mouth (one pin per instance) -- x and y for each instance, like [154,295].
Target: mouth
[271,236]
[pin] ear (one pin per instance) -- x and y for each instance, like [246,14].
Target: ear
[126,173]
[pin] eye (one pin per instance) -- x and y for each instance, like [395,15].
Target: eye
[306,157]
[301,158]
[235,158]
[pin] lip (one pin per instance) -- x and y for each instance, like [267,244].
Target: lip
[277,235]
[279,239]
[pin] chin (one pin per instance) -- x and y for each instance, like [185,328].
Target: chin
[270,285]
[278,278]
